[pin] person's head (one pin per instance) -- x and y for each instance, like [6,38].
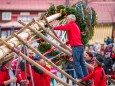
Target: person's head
[88,56]
[98,61]
[30,53]
[102,53]
[41,62]
[70,18]
[8,63]
[107,55]
[96,42]
[108,37]
[113,52]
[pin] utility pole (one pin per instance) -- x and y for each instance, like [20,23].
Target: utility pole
[67,2]
[86,2]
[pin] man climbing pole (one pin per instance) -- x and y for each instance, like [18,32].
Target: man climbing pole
[74,39]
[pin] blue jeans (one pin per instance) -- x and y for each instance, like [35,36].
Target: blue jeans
[79,63]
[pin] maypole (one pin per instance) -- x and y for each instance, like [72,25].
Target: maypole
[27,32]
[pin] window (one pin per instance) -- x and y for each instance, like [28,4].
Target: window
[6,15]
[26,18]
[4,35]
[25,13]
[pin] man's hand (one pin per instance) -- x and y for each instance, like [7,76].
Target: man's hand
[24,82]
[13,80]
[108,76]
[80,80]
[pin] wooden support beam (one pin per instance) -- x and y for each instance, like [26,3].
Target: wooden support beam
[44,58]
[53,36]
[46,39]
[33,63]
[46,21]
[14,42]
[24,34]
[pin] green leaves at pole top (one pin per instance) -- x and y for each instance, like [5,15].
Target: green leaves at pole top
[85,17]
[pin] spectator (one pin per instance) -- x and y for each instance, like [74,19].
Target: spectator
[7,77]
[98,73]
[108,65]
[113,56]
[97,46]
[107,41]
[70,70]
[88,58]
[40,78]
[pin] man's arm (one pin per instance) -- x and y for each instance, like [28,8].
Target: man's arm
[61,27]
[88,77]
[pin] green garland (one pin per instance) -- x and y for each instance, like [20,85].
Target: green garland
[84,25]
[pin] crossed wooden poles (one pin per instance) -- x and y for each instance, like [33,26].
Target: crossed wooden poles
[11,44]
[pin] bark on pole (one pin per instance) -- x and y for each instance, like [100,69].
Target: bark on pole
[47,60]
[33,62]
[24,34]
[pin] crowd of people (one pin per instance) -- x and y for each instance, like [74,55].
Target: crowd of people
[92,65]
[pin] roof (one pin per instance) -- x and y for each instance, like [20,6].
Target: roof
[105,11]
[30,4]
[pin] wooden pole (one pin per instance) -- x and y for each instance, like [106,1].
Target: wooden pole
[21,30]
[50,26]
[47,60]
[24,34]
[14,42]
[49,41]
[56,38]
[33,62]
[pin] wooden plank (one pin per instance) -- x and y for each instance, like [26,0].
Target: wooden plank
[24,34]
[53,36]
[47,60]
[33,63]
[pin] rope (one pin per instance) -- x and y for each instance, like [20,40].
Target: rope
[30,68]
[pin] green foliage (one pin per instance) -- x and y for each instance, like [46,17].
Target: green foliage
[44,47]
[84,25]
[51,10]
[53,53]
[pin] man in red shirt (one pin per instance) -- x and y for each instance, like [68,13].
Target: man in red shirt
[98,73]
[74,39]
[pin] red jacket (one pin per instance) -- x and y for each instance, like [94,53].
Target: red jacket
[40,79]
[73,33]
[45,79]
[112,76]
[4,76]
[98,75]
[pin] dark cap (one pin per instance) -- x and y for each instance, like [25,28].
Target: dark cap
[36,57]
[99,60]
